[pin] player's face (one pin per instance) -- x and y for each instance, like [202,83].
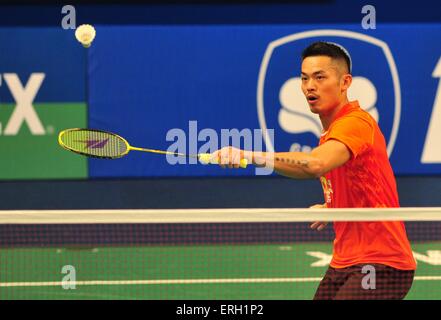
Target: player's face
[322,84]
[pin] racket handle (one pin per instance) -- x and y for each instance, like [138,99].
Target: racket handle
[243,163]
[205,158]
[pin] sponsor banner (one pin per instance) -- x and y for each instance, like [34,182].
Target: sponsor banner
[157,85]
[42,91]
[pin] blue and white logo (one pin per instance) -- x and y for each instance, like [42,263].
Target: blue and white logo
[282,106]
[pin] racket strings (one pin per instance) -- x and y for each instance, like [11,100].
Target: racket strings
[94,143]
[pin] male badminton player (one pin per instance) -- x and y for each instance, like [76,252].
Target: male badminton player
[352,164]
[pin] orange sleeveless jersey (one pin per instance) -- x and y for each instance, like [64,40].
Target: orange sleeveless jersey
[366,180]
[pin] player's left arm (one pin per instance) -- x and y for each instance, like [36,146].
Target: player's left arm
[301,165]
[349,138]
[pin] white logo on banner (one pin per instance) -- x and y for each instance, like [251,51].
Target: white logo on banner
[24,110]
[432,145]
[295,116]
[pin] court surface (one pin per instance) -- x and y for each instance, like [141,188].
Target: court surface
[221,271]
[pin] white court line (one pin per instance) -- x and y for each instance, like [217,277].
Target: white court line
[179,281]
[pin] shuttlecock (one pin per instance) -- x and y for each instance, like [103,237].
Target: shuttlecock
[85,34]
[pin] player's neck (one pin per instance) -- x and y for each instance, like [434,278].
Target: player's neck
[328,118]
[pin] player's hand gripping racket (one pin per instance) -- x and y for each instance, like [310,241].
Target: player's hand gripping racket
[108,145]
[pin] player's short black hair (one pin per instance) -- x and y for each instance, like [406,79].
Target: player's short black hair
[329,49]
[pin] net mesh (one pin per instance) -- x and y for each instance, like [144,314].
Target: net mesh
[94,143]
[200,254]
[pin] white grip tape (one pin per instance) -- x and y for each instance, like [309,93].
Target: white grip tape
[206,158]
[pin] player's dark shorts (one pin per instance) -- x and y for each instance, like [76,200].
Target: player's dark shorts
[374,282]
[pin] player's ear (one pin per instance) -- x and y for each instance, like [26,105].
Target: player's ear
[346,81]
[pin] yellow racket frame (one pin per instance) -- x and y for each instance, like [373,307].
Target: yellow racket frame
[205,158]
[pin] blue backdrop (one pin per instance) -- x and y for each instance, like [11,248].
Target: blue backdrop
[52,51]
[149,81]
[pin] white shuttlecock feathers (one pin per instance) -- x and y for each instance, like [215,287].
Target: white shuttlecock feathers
[85,34]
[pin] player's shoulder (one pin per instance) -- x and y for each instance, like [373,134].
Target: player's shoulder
[356,116]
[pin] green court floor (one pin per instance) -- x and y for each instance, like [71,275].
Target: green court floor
[276,271]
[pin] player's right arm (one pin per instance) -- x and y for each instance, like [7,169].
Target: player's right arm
[318,225]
